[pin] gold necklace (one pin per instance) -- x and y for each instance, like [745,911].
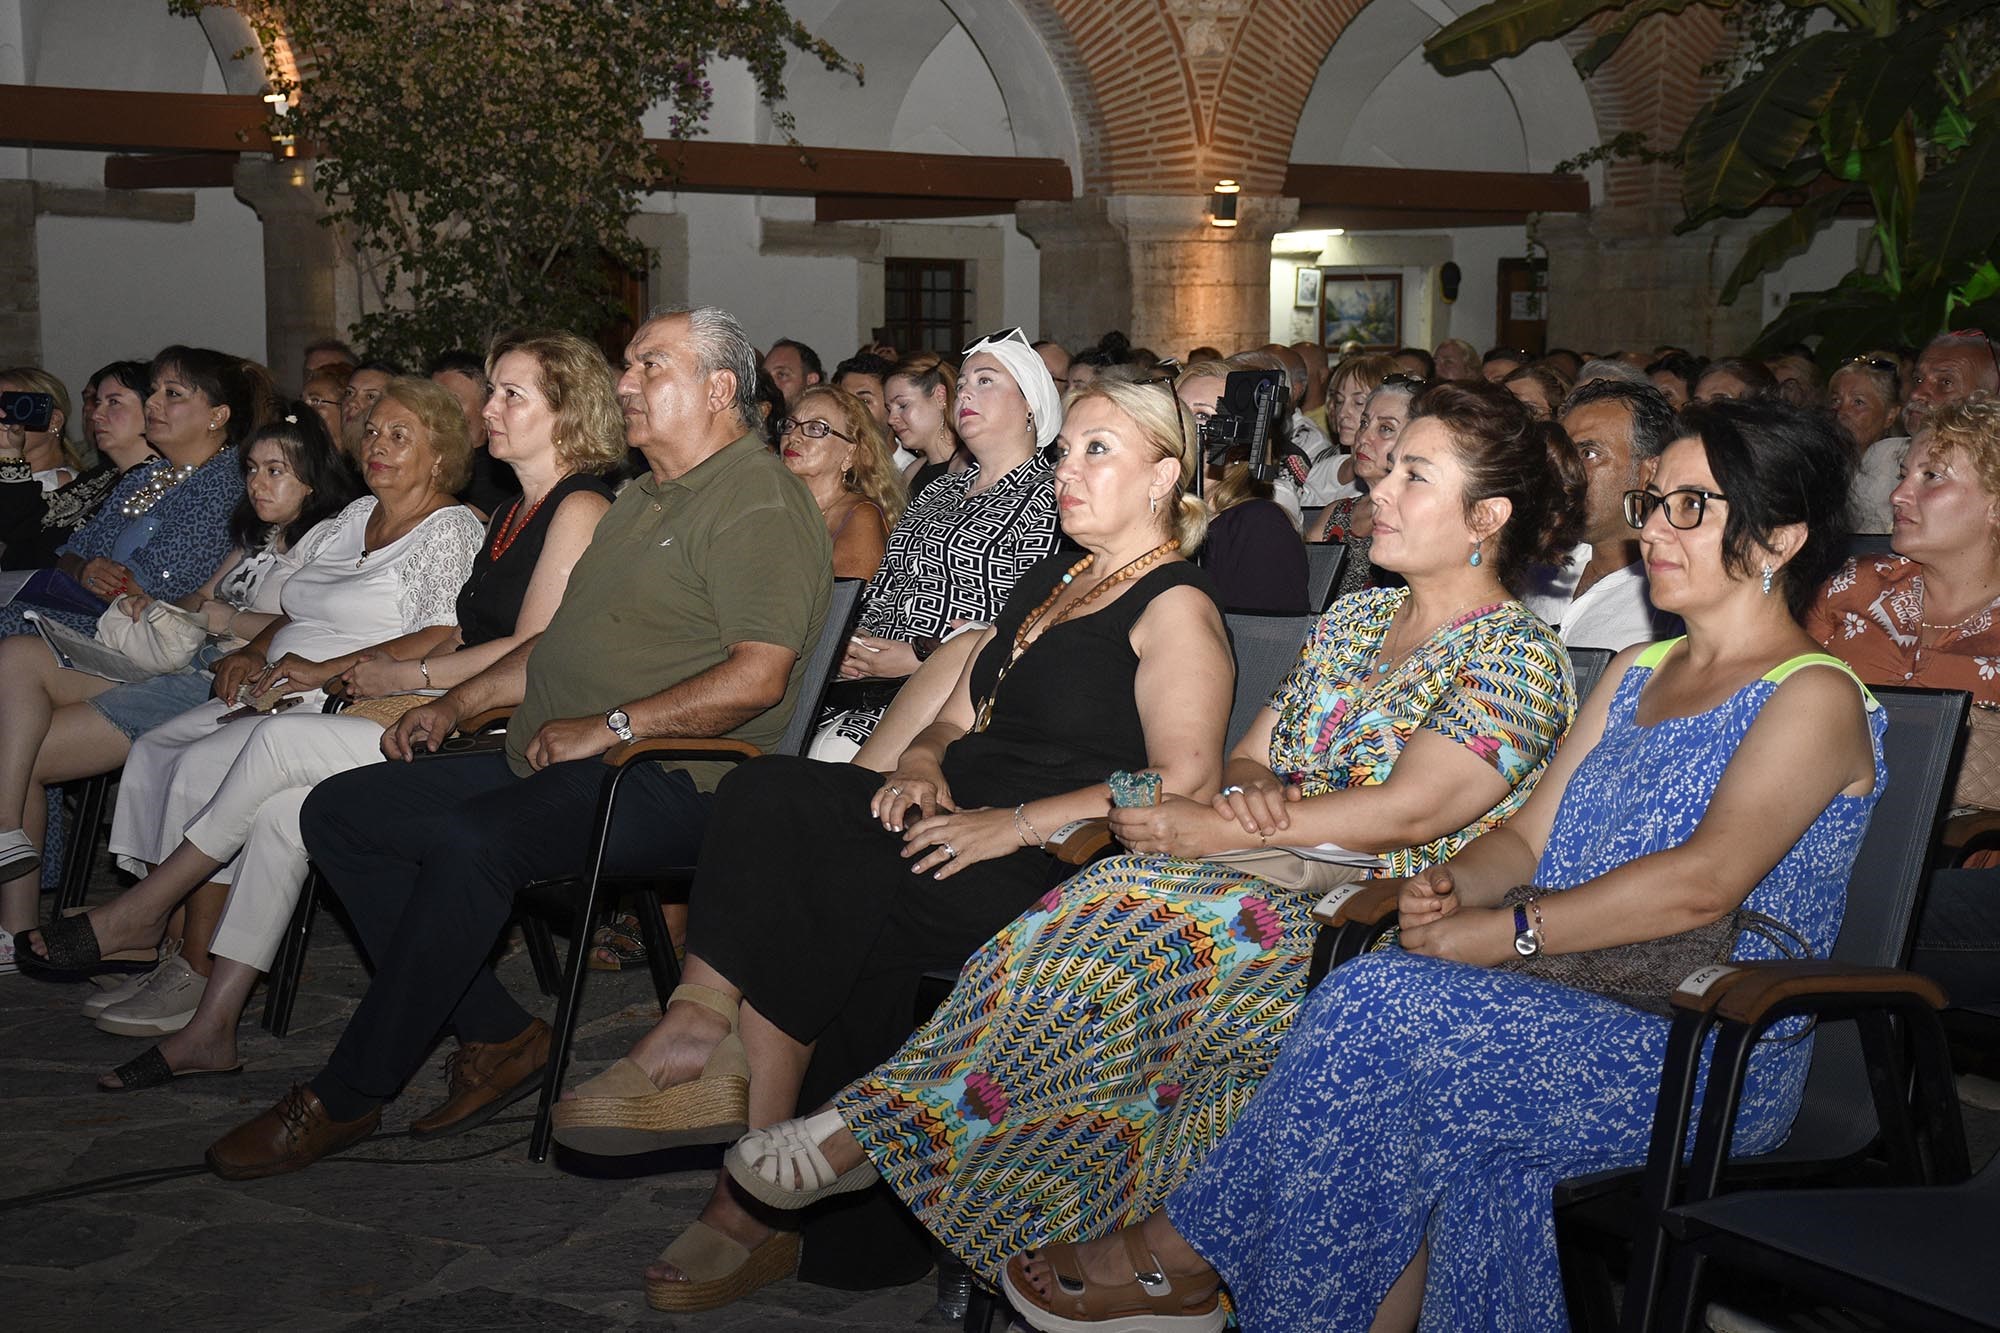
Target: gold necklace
[1131,569]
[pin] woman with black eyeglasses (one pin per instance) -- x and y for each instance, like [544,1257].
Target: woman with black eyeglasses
[831,443]
[1737,766]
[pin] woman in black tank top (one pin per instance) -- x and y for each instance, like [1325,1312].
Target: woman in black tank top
[826,891]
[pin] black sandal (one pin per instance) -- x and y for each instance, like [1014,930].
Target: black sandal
[150,1069]
[73,952]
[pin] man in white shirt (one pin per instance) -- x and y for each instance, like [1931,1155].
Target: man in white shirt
[1598,599]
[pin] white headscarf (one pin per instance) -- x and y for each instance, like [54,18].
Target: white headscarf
[1032,377]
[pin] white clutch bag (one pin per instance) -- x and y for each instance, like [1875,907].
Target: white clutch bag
[163,639]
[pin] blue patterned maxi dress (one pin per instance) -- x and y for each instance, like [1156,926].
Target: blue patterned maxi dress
[1418,1097]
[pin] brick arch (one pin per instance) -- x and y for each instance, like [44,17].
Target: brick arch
[1655,85]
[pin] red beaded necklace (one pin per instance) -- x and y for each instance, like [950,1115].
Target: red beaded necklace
[504,538]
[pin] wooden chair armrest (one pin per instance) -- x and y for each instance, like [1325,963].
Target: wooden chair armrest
[1080,841]
[667,749]
[486,721]
[1750,992]
[1365,904]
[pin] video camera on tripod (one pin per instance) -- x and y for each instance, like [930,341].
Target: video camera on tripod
[1244,425]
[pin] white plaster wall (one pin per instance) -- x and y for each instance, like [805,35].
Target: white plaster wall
[113,289]
[1831,256]
[1417,255]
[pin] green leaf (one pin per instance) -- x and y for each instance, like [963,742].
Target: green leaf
[1981,286]
[1852,318]
[1746,140]
[1607,42]
[1958,211]
[1505,28]
[1784,238]
[1886,81]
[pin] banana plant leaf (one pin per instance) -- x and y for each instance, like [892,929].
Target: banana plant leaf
[1742,144]
[1606,43]
[1784,238]
[1958,211]
[1505,28]
[1887,81]
[1854,317]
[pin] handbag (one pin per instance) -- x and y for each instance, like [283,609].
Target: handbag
[387,710]
[1289,870]
[1979,771]
[1645,974]
[163,640]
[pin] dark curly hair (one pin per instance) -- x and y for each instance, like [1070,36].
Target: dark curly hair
[1779,465]
[1507,454]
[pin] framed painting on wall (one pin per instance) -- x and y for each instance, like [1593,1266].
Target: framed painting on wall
[1306,297]
[1365,308]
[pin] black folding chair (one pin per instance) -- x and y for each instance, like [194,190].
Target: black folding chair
[1323,561]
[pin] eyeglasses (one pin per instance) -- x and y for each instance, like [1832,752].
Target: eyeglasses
[1013,335]
[1403,380]
[322,402]
[1684,506]
[812,430]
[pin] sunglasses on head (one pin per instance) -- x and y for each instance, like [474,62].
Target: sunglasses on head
[1013,335]
[1402,379]
[1883,364]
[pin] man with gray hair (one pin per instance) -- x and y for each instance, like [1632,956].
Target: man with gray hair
[690,614]
[1597,368]
[1953,367]
[1598,598]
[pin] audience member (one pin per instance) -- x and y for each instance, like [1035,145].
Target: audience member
[1417,363]
[1564,362]
[866,376]
[1539,385]
[770,409]
[1351,520]
[1318,373]
[1597,597]
[50,459]
[463,373]
[793,367]
[363,391]
[963,542]
[1500,362]
[1255,558]
[1416,720]
[36,519]
[921,390]
[1733,377]
[1417,1211]
[1798,380]
[690,614]
[326,354]
[832,444]
[1867,406]
[58,725]
[1057,360]
[1602,368]
[323,393]
[1952,368]
[1113,661]
[1674,375]
[1320,470]
[1456,359]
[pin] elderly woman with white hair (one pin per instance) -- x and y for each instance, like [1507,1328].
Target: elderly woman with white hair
[963,543]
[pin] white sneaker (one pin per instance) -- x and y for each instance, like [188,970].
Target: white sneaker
[118,989]
[7,963]
[164,1004]
[18,856]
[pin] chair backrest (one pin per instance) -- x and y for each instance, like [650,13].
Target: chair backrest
[1586,667]
[1309,518]
[1323,561]
[1869,543]
[820,664]
[1267,647]
[1837,1115]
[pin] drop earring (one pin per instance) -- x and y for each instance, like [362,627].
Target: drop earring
[1153,504]
[1768,571]
[1475,559]
[1031,421]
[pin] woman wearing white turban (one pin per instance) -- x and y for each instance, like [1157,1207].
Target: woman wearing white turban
[963,543]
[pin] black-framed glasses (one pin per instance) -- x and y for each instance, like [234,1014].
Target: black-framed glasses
[1013,335]
[1684,506]
[811,429]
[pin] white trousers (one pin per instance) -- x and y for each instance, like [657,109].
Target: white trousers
[172,770]
[254,819]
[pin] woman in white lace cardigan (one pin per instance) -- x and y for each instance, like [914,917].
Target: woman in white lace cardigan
[382,576]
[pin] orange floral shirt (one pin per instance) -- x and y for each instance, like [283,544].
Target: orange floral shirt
[1869,616]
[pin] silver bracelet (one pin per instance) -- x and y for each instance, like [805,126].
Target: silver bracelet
[423,667]
[1025,830]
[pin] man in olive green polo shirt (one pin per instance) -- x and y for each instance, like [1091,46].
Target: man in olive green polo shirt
[690,614]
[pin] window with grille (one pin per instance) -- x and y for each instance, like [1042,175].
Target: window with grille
[925,303]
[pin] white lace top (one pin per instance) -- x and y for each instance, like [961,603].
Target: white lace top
[342,599]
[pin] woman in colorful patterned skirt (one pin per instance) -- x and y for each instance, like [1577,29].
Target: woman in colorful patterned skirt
[1399,1163]
[1105,1040]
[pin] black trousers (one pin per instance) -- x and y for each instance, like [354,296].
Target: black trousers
[427,857]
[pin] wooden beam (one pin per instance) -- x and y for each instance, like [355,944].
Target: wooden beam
[704,165]
[170,171]
[100,118]
[863,208]
[1316,217]
[1405,188]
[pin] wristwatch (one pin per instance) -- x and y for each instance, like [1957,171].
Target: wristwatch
[1527,938]
[619,723]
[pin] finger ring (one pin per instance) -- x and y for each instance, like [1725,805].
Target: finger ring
[950,854]
[895,791]
[1232,790]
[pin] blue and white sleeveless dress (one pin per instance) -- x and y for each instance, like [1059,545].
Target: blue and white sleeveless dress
[1418,1097]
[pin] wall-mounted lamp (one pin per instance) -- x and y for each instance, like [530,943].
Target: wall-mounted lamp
[1222,204]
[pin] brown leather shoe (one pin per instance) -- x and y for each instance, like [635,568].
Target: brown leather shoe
[289,1137]
[486,1076]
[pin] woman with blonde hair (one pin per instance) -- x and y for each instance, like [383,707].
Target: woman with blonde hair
[48,454]
[831,443]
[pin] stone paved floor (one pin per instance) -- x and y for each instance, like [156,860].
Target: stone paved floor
[384,1238]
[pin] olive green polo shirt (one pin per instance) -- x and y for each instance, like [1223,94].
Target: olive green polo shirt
[734,551]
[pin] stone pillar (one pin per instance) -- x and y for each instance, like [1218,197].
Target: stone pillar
[1153,266]
[20,277]
[1620,279]
[300,259]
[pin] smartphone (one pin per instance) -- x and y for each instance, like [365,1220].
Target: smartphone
[30,411]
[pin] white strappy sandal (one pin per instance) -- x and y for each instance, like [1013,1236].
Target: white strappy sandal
[784,1167]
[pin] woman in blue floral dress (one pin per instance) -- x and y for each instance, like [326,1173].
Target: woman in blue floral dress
[1396,1169]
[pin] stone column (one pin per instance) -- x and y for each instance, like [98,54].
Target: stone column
[20,277]
[300,259]
[1620,279]
[1153,266]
